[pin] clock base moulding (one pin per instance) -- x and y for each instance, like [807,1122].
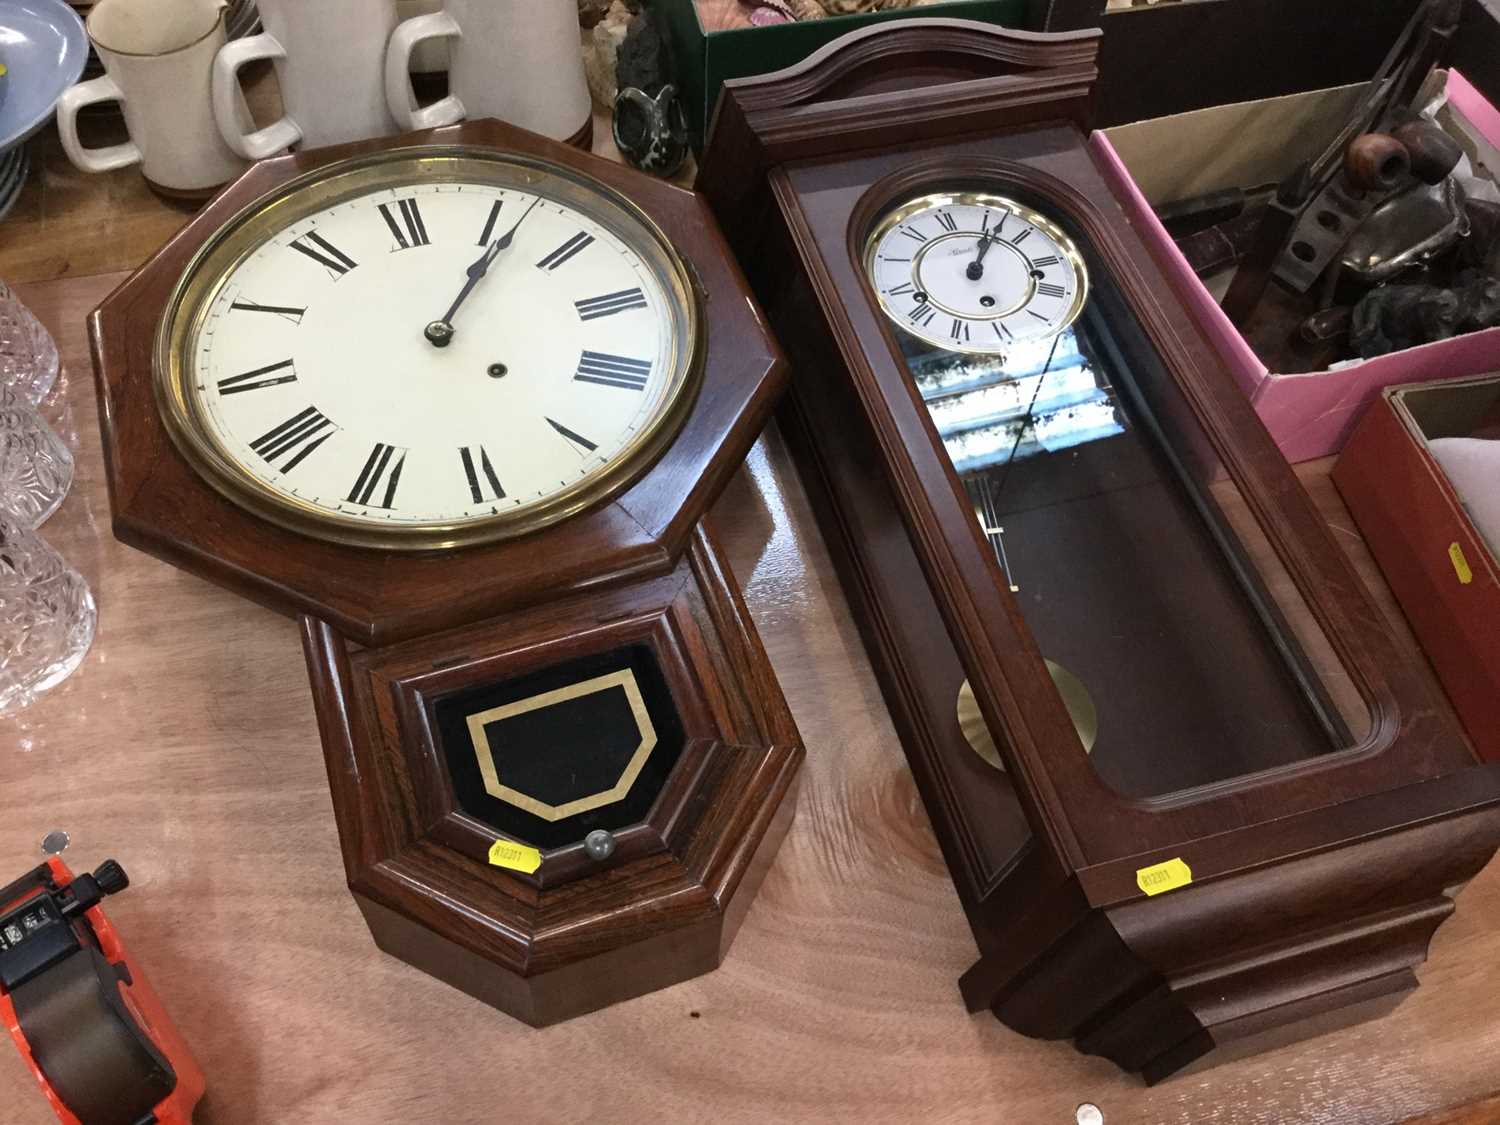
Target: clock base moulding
[578,933]
[1317,882]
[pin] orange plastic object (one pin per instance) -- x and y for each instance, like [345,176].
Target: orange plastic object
[143,1004]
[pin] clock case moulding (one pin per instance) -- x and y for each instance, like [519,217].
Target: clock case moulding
[578,933]
[161,505]
[389,636]
[1315,888]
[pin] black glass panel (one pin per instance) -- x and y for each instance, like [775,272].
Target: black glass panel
[558,737]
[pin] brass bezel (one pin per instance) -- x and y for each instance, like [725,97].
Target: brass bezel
[898,215]
[215,261]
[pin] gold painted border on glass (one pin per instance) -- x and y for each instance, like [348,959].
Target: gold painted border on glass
[241,235]
[898,215]
[624,679]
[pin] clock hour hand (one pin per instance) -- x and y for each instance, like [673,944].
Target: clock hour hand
[440,332]
[976,268]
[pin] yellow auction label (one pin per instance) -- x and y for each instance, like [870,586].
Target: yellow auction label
[514,856]
[1163,877]
[1460,563]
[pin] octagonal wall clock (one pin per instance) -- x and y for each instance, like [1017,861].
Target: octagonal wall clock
[460,400]
[405,384]
[1192,789]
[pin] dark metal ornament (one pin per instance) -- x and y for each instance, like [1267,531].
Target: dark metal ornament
[651,132]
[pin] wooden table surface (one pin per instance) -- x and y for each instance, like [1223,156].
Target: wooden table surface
[186,747]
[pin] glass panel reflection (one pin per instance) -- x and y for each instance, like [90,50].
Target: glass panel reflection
[1124,567]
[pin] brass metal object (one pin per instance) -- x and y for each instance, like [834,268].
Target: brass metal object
[1075,698]
[214,264]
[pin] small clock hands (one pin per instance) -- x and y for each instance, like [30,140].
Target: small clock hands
[439,333]
[975,270]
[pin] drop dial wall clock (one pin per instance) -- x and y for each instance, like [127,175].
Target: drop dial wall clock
[1191,789]
[460,400]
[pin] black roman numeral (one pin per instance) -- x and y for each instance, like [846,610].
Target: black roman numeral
[613,371]
[576,439]
[325,253]
[592,308]
[255,380]
[299,435]
[378,469]
[489,224]
[1002,331]
[574,245]
[960,329]
[1043,263]
[476,489]
[1021,237]
[292,314]
[904,287]
[918,235]
[946,221]
[922,315]
[1047,289]
[407,227]
[1036,314]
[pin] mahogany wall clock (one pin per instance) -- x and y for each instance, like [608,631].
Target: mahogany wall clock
[1223,803]
[460,399]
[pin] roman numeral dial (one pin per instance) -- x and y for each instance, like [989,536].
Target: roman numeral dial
[613,371]
[313,375]
[404,218]
[974,272]
[287,445]
[378,479]
[313,245]
[483,483]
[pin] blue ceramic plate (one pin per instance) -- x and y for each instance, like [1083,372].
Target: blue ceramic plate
[43,47]
[14,166]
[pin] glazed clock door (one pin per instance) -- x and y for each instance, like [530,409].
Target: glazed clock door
[1178,666]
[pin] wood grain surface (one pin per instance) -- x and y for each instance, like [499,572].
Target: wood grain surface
[186,747]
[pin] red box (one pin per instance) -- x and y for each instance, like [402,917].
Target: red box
[1438,565]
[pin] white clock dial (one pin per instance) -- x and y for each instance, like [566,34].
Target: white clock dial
[975,272]
[428,352]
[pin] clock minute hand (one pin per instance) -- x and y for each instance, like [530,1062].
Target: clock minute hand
[440,332]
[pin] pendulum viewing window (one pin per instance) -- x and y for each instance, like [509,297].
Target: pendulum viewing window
[1133,558]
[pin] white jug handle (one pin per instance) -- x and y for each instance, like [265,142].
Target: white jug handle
[92,159]
[228,100]
[398,91]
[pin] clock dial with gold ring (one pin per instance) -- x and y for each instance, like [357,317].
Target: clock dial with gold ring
[976,272]
[427,350]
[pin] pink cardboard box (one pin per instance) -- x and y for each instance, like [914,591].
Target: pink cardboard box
[1310,415]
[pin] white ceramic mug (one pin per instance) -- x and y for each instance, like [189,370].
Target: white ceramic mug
[517,60]
[330,64]
[432,56]
[158,55]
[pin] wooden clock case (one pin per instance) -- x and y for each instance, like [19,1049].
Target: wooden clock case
[1315,885]
[577,933]
[161,506]
[391,638]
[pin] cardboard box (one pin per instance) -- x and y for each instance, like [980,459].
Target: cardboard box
[705,60]
[1438,565]
[1309,414]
